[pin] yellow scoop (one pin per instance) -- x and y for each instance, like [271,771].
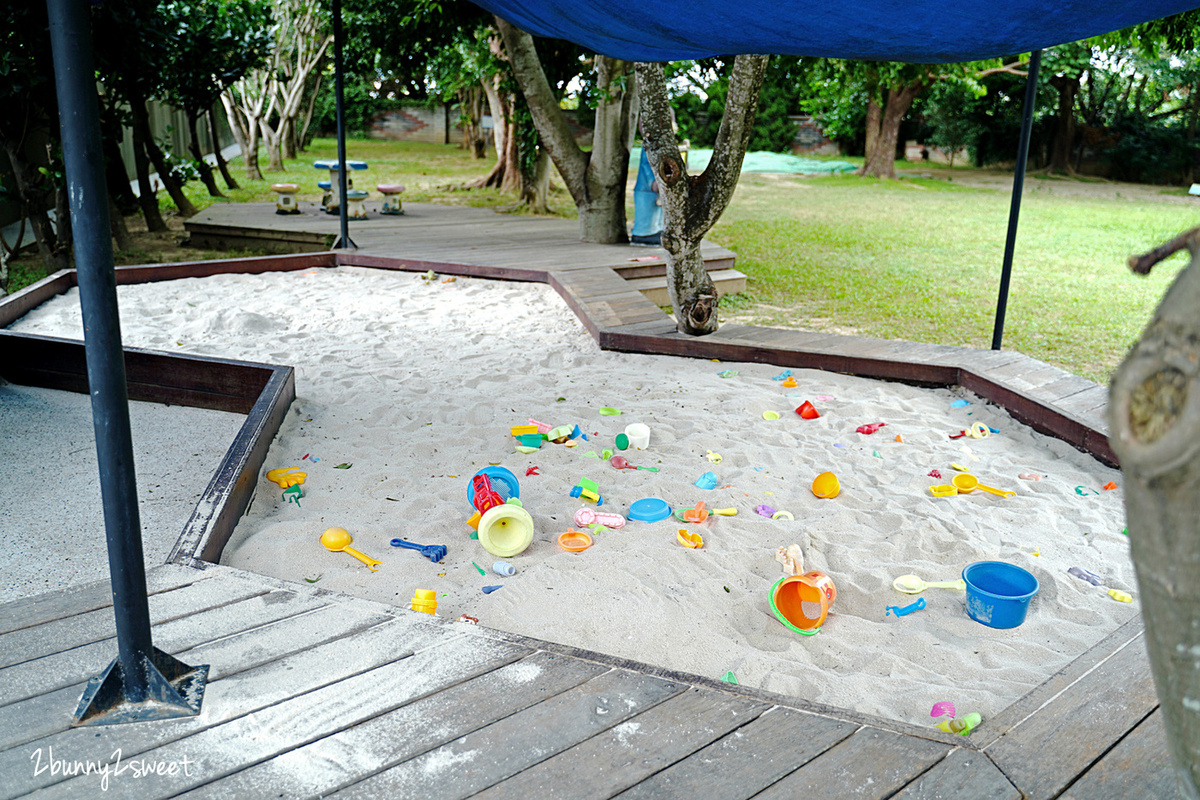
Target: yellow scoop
[966,482]
[338,540]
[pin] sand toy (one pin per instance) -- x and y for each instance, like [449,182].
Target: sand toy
[911,584]
[801,602]
[338,540]
[692,540]
[574,541]
[586,516]
[425,601]
[287,477]
[826,486]
[434,552]
[966,483]
[620,462]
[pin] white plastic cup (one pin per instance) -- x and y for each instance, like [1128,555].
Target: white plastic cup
[639,435]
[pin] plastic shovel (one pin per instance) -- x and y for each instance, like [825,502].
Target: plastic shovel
[620,462]
[338,540]
[965,482]
[911,584]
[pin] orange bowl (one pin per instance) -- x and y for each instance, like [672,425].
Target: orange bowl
[826,485]
[574,541]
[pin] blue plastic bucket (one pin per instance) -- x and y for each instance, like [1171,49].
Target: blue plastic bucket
[998,594]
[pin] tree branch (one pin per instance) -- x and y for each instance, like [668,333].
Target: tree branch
[1144,263]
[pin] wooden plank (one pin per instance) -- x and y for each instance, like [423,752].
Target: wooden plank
[1139,766]
[300,719]
[232,486]
[20,303]
[1063,387]
[249,697]
[870,764]
[962,774]
[149,273]
[227,652]
[747,760]
[627,753]
[44,608]
[60,635]
[517,742]
[350,755]
[995,727]
[1043,753]
[70,667]
[1081,404]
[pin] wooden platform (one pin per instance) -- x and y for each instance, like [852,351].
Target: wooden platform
[318,693]
[455,239]
[315,693]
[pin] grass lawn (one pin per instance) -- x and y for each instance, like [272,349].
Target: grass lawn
[916,259]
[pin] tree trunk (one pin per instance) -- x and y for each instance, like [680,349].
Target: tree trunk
[881,159]
[535,188]
[271,139]
[243,121]
[147,197]
[287,138]
[33,201]
[206,173]
[115,175]
[116,222]
[302,129]
[141,123]
[874,119]
[1064,125]
[594,179]
[691,205]
[1154,417]
[222,164]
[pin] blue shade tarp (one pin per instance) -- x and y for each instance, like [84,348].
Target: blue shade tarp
[923,32]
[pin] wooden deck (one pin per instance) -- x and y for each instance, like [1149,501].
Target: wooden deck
[314,693]
[454,239]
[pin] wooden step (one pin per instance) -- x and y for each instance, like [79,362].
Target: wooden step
[727,281]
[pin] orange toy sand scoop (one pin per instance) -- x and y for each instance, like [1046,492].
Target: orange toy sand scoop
[966,482]
[337,540]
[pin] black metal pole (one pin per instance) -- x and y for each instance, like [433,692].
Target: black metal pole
[137,685]
[79,124]
[1014,212]
[343,240]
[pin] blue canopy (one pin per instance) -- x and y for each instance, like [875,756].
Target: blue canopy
[921,32]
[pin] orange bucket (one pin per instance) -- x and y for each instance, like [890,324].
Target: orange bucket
[802,602]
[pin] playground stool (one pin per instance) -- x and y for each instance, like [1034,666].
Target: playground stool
[354,204]
[391,198]
[285,198]
[331,201]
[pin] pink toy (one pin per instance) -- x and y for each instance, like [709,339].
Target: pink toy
[586,516]
[870,428]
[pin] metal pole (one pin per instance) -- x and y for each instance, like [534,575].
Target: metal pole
[343,241]
[1014,212]
[82,156]
[133,678]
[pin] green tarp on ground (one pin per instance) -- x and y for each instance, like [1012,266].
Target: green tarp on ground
[762,161]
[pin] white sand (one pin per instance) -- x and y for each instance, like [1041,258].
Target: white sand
[51,518]
[416,385]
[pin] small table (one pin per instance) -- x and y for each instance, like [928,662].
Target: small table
[331,205]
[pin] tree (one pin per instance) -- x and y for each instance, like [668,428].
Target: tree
[948,112]
[1064,68]
[30,114]
[1154,419]
[783,92]
[213,43]
[692,204]
[461,72]
[890,90]
[596,178]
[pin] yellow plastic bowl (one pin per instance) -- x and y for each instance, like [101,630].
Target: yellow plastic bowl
[826,486]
